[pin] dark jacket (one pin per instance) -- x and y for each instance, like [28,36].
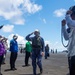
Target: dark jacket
[40,44]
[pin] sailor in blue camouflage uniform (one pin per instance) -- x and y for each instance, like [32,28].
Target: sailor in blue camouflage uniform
[37,50]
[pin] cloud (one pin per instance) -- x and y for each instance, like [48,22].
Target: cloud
[31,7]
[60,12]
[21,39]
[8,28]
[15,9]
[44,20]
[19,21]
[55,45]
[9,9]
[47,42]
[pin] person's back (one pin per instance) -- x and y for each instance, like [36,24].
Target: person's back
[46,51]
[47,48]
[37,42]
[28,47]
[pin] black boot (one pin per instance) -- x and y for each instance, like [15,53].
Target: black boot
[41,71]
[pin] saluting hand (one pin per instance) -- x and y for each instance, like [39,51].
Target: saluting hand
[32,33]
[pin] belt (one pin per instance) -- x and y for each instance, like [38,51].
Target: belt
[36,46]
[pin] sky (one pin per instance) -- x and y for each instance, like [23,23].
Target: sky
[21,17]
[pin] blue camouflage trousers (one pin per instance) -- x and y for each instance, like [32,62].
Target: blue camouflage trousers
[36,60]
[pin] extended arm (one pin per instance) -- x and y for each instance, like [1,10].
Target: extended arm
[28,37]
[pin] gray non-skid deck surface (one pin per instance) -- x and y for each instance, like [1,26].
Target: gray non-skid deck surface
[56,64]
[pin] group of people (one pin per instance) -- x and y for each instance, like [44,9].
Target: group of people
[68,33]
[35,48]
[3,50]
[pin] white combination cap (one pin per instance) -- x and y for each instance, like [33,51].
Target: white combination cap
[36,30]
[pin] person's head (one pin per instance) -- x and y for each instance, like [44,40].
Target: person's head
[5,39]
[47,45]
[15,37]
[37,33]
[1,38]
[73,12]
